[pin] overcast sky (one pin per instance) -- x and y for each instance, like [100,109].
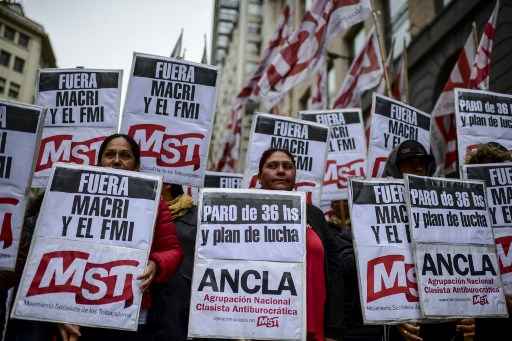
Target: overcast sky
[104,33]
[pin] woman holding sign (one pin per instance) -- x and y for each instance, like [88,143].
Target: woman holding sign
[324,298]
[122,152]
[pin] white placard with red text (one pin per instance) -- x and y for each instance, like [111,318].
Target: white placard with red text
[386,272]
[249,270]
[92,240]
[20,129]
[346,150]
[459,281]
[393,122]
[498,180]
[482,116]
[307,141]
[169,111]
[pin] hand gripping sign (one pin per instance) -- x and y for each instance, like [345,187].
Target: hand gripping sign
[393,122]
[382,241]
[306,141]
[92,240]
[346,150]
[482,116]
[169,110]
[249,270]
[20,129]
[82,109]
[498,180]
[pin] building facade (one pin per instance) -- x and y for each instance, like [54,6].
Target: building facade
[431,31]
[24,48]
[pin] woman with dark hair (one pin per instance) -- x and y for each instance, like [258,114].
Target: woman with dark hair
[122,152]
[324,297]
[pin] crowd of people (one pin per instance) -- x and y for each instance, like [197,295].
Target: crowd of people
[332,295]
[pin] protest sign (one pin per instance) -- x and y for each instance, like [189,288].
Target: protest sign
[393,122]
[169,110]
[498,180]
[482,116]
[459,281]
[71,145]
[447,210]
[346,149]
[249,272]
[80,97]
[20,129]
[387,279]
[92,239]
[306,141]
[222,180]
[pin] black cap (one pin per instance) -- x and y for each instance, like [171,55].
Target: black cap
[411,149]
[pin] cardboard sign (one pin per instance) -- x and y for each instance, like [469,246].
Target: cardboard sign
[169,111]
[91,241]
[222,180]
[80,97]
[498,179]
[307,141]
[459,281]
[249,270]
[482,116]
[382,241]
[347,149]
[448,210]
[20,129]
[393,122]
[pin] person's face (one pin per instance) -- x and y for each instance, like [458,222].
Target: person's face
[278,173]
[414,165]
[118,154]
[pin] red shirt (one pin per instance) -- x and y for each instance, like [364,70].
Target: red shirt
[315,286]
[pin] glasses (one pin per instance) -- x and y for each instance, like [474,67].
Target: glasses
[286,165]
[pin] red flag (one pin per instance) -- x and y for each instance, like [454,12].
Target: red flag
[399,83]
[302,52]
[365,73]
[481,68]
[318,99]
[443,129]
[231,143]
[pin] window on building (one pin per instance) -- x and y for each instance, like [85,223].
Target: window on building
[19,64]
[14,90]
[9,33]
[331,83]
[400,25]
[5,58]
[3,82]
[23,40]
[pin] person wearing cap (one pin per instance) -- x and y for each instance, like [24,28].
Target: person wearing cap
[410,157]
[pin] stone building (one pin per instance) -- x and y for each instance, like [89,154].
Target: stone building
[432,31]
[24,48]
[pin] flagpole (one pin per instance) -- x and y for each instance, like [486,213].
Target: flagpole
[381,47]
[406,71]
[475,34]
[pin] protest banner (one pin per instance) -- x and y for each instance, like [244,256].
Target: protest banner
[346,149]
[249,270]
[222,180]
[91,241]
[82,109]
[80,97]
[306,141]
[393,122]
[498,180]
[169,110]
[482,116]
[382,243]
[20,129]
[459,281]
[448,210]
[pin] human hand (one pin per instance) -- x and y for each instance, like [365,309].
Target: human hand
[148,275]
[467,328]
[410,331]
[69,332]
[329,339]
